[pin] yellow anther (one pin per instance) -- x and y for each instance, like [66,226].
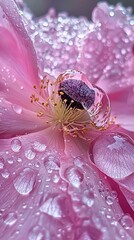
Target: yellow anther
[61,93]
[47,104]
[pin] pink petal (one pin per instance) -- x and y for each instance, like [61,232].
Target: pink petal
[122,107]
[37,198]
[18,60]
[110,47]
[113,154]
[16,120]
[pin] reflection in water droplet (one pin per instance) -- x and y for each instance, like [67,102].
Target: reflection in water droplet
[10,219]
[88,198]
[24,182]
[36,233]
[29,154]
[127,222]
[39,147]
[74,176]
[17,109]
[16,145]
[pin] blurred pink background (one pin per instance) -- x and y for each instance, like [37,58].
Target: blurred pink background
[73,7]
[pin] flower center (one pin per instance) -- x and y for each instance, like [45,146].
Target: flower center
[72,104]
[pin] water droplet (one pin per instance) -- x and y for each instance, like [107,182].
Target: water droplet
[29,154]
[10,219]
[111,154]
[127,222]
[39,147]
[17,108]
[74,176]
[24,182]
[19,160]
[10,160]
[36,233]
[55,206]
[50,163]
[109,200]
[5,174]
[16,145]
[1,163]
[88,198]
[56,178]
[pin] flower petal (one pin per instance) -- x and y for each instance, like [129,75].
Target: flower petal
[18,60]
[16,120]
[122,107]
[113,154]
[37,198]
[114,57]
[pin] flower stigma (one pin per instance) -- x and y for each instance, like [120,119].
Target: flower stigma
[72,104]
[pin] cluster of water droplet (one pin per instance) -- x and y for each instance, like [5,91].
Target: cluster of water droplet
[65,202]
[64,196]
[101,49]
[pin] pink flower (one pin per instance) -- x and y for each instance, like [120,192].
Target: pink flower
[66,137]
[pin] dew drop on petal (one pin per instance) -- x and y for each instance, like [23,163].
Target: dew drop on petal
[88,198]
[17,109]
[113,153]
[5,174]
[74,176]
[39,147]
[29,154]
[10,160]
[109,200]
[16,145]
[126,221]
[50,163]
[24,182]
[36,233]
[55,206]
[10,219]
[55,178]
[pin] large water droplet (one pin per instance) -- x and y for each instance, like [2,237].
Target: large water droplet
[39,147]
[36,233]
[16,145]
[88,198]
[55,206]
[127,222]
[113,154]
[50,163]
[29,154]
[74,176]
[17,108]
[24,182]
[10,219]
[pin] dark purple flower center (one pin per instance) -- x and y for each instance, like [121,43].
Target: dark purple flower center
[76,94]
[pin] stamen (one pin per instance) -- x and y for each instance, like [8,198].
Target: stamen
[72,104]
